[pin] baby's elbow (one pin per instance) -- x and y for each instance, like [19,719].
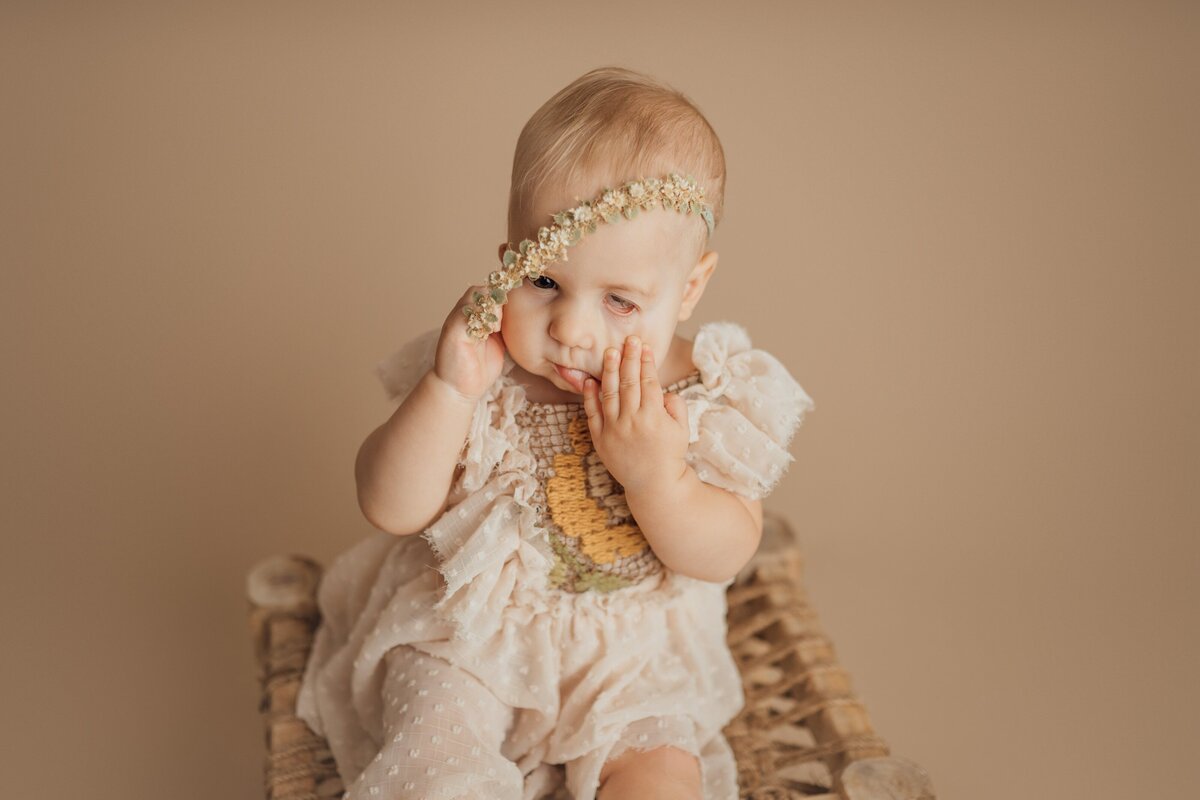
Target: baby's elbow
[709,571]
[735,564]
[724,576]
[400,523]
[728,570]
[392,525]
[394,521]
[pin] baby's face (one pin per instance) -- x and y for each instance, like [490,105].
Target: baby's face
[630,277]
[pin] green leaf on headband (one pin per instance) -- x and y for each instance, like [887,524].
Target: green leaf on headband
[477,297]
[591,228]
[630,212]
[490,318]
[466,310]
[510,258]
[499,295]
[610,217]
[525,245]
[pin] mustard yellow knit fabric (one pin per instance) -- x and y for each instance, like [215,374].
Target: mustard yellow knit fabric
[597,543]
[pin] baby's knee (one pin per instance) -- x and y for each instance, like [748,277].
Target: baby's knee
[666,772]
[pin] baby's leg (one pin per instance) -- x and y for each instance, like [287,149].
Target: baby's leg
[443,730]
[653,756]
[651,759]
[666,773]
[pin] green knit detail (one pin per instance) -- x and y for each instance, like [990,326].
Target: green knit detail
[568,565]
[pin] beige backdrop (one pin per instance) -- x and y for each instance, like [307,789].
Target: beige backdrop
[969,232]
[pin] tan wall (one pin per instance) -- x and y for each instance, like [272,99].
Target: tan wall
[968,230]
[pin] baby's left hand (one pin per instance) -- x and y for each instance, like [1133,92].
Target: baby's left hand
[639,432]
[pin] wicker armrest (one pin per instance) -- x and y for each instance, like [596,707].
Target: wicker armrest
[802,733]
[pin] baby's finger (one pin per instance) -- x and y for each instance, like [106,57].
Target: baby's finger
[591,406]
[456,321]
[467,301]
[631,375]
[610,394]
[458,315]
[677,408]
[652,394]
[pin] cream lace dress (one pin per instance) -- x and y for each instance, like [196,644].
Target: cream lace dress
[530,634]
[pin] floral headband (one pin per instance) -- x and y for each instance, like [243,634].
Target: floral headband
[674,192]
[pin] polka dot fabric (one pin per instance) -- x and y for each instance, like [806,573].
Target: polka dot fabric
[442,734]
[446,665]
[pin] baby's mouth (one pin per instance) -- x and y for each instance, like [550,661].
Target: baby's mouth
[575,377]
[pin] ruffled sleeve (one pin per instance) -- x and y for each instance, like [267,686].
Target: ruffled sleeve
[403,369]
[742,414]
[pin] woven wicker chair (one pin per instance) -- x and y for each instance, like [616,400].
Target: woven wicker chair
[802,733]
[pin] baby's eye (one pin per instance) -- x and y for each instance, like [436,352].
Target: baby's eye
[622,303]
[537,282]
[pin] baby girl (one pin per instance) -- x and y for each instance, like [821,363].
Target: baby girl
[586,484]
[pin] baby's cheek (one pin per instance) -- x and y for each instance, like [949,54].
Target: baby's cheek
[514,316]
[513,300]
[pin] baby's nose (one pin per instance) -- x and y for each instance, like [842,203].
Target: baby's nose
[570,329]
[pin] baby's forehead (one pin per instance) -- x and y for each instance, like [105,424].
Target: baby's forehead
[657,239]
[636,257]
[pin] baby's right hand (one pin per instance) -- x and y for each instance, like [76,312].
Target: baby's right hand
[464,363]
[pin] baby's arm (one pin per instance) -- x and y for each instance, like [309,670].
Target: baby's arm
[695,528]
[406,467]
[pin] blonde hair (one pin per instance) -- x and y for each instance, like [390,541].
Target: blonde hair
[608,126]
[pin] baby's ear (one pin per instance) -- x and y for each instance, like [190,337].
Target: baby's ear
[697,280]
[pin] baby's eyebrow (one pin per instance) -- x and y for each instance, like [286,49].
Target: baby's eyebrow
[621,287]
[629,289]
